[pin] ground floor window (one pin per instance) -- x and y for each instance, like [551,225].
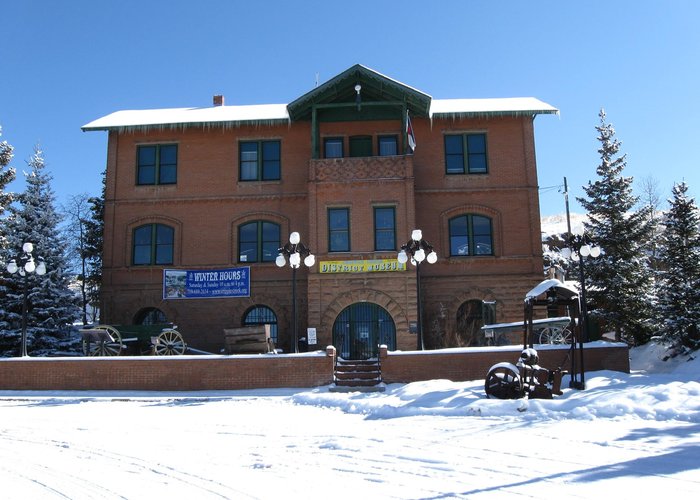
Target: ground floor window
[361,328]
[150,316]
[262,315]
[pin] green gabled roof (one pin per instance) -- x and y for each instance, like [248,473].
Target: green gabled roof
[375,88]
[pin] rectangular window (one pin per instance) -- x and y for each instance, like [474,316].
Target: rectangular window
[333,147]
[388,145]
[465,154]
[153,245]
[156,164]
[338,229]
[384,228]
[259,160]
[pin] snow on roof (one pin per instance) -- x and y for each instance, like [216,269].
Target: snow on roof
[499,106]
[278,113]
[550,283]
[181,117]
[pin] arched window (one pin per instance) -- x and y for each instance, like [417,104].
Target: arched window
[150,316]
[153,244]
[470,234]
[262,315]
[258,241]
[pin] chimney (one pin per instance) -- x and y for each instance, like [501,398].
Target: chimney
[218,100]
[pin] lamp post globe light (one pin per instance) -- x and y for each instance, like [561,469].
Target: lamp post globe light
[580,247]
[419,251]
[295,251]
[24,264]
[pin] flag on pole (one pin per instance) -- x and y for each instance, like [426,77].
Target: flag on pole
[409,133]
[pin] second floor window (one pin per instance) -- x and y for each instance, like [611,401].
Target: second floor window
[156,164]
[384,228]
[470,235]
[388,145]
[260,161]
[153,245]
[338,229]
[333,147]
[465,154]
[258,241]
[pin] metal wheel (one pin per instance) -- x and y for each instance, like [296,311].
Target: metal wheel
[169,343]
[503,382]
[110,347]
[555,336]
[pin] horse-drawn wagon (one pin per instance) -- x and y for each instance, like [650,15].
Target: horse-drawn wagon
[114,340]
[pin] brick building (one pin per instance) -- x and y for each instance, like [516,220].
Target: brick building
[217,191]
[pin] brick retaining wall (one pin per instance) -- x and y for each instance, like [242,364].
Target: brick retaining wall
[473,363]
[177,373]
[196,373]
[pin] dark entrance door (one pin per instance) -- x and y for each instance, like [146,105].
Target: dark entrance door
[361,328]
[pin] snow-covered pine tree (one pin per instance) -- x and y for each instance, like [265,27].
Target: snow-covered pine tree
[7,175]
[52,306]
[679,291]
[619,282]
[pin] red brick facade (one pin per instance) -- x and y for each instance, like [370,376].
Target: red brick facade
[209,202]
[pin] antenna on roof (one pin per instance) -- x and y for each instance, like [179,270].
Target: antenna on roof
[317,79]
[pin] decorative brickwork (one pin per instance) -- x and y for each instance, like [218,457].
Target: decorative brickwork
[360,169]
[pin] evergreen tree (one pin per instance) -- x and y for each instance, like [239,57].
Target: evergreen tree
[7,175]
[619,282]
[679,294]
[51,304]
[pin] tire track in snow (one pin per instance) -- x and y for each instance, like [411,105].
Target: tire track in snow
[65,484]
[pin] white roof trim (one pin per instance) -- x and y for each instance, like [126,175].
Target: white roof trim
[499,106]
[180,117]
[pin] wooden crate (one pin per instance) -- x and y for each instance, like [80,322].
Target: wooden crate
[248,340]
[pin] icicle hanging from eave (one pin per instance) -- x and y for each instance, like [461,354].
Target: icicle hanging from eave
[460,115]
[181,127]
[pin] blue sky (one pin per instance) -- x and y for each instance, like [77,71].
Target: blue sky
[67,63]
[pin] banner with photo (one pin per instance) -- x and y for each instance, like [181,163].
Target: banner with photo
[206,283]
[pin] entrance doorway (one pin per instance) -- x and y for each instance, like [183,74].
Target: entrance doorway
[361,328]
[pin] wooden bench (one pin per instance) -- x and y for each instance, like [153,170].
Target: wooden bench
[248,340]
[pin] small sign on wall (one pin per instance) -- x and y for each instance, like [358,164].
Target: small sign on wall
[311,336]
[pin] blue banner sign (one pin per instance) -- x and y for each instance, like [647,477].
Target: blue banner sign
[206,283]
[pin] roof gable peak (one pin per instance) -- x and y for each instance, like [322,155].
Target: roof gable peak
[362,84]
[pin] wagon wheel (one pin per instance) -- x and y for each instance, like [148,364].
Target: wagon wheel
[111,347]
[503,382]
[555,336]
[169,343]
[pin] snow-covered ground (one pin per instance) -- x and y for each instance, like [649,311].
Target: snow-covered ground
[626,436]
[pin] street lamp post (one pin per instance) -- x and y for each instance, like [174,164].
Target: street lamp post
[295,251]
[26,266]
[419,250]
[579,249]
